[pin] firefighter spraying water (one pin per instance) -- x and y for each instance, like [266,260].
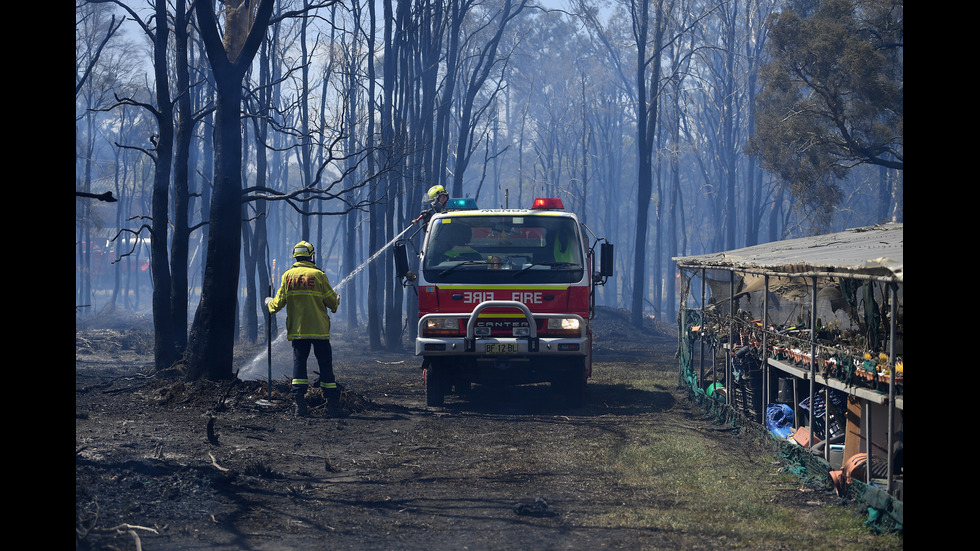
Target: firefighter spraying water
[505,296]
[307,296]
[257,368]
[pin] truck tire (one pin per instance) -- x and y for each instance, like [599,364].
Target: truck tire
[577,388]
[461,387]
[434,386]
[571,388]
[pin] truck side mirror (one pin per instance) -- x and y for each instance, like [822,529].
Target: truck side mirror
[606,259]
[401,260]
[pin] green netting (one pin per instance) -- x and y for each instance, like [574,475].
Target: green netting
[885,514]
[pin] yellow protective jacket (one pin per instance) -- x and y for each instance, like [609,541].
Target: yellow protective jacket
[306,294]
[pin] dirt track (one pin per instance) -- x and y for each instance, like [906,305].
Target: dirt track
[158,461]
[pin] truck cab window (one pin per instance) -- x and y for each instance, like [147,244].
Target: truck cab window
[544,249]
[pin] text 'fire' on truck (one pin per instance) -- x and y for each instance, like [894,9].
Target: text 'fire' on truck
[505,297]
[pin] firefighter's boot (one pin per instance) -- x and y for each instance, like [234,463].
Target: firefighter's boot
[301,410]
[333,402]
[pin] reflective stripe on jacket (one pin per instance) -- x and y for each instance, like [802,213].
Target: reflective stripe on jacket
[306,294]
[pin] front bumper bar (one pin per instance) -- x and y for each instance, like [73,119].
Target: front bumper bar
[471,345]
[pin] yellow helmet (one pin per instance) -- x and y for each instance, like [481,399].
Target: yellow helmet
[435,191]
[303,248]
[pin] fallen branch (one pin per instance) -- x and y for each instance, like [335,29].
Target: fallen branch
[215,463]
[131,530]
[126,528]
[107,196]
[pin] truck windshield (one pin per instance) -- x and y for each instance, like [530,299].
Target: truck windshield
[504,249]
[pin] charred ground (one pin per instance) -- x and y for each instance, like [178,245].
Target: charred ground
[170,464]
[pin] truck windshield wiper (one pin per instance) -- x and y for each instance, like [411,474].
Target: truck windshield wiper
[462,263]
[562,265]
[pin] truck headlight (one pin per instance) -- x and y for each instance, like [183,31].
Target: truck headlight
[441,326]
[568,326]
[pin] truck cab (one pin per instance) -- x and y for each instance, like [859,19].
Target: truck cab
[505,297]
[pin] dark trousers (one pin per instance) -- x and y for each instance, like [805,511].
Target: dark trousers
[324,357]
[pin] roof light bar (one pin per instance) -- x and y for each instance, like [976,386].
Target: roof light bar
[467,203]
[545,203]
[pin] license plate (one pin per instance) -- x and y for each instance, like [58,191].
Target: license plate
[502,348]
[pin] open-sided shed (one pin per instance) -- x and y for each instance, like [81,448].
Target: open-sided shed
[806,337]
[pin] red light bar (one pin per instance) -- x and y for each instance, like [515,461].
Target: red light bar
[547,203]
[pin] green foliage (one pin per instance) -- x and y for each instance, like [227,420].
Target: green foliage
[832,96]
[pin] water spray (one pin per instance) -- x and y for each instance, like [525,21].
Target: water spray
[372,257]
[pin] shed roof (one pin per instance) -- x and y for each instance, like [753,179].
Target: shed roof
[869,251]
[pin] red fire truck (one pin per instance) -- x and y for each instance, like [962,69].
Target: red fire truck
[506,297]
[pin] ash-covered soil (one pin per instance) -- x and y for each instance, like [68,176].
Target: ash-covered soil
[162,463]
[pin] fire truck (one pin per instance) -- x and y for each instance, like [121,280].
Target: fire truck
[505,297]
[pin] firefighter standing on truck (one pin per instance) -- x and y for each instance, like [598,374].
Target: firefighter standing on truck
[435,201]
[306,294]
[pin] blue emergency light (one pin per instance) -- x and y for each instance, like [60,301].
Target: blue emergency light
[465,203]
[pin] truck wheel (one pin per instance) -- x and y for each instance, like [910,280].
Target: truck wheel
[577,389]
[461,388]
[571,389]
[434,386]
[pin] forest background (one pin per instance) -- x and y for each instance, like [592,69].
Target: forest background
[672,127]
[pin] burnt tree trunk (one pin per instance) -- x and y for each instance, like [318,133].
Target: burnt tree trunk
[646,127]
[210,347]
[181,216]
[164,344]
